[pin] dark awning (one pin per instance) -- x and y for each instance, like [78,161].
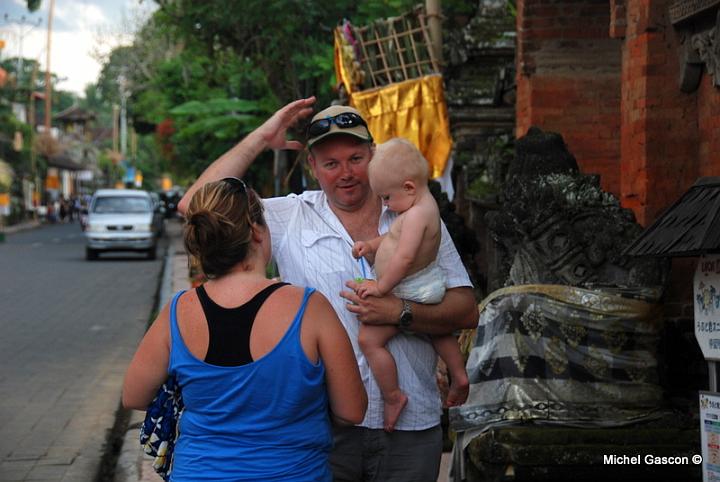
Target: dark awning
[74,114]
[690,227]
[63,161]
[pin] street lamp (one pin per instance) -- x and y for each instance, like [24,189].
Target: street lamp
[22,33]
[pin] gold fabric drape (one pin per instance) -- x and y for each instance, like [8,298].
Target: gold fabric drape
[414,109]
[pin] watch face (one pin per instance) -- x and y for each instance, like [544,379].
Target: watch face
[406,315]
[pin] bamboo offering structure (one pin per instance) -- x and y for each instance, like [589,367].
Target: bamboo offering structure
[395,49]
[389,72]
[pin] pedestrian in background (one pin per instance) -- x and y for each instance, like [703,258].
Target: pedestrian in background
[258,362]
[312,237]
[51,213]
[62,209]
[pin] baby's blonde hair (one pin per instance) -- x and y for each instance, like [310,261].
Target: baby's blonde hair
[398,158]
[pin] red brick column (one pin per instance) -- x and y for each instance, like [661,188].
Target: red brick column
[568,80]
[659,146]
[708,102]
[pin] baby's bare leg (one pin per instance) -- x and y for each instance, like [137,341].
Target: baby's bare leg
[447,348]
[372,340]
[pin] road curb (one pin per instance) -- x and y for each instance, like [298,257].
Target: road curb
[16,228]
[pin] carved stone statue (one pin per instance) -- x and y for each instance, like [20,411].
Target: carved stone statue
[571,339]
[558,226]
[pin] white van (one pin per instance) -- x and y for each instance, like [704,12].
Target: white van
[121,220]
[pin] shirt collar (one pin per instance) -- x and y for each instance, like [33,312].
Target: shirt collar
[318,200]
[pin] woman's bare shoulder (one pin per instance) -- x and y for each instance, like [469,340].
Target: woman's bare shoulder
[320,308]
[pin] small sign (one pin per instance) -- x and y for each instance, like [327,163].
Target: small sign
[710,435]
[706,301]
[85,175]
[129,175]
[4,204]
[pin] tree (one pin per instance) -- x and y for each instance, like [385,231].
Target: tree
[202,74]
[290,41]
[33,5]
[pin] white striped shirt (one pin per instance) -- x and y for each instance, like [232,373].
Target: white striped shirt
[312,248]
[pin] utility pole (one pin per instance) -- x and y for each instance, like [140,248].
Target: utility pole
[48,84]
[115,115]
[33,152]
[133,145]
[122,86]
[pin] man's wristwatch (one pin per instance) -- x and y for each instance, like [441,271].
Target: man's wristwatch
[406,316]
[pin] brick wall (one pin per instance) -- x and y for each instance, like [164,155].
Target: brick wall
[659,145]
[605,75]
[708,102]
[568,80]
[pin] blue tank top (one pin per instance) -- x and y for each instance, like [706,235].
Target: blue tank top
[267,420]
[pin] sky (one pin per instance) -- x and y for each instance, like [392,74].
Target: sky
[82,29]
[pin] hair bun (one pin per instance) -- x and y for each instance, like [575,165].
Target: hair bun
[205,230]
[219,227]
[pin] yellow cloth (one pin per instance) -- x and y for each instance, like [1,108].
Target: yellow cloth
[344,58]
[414,109]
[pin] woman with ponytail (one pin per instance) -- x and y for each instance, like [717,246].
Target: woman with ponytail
[263,366]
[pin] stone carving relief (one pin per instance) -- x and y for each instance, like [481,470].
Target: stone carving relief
[707,45]
[557,225]
[698,23]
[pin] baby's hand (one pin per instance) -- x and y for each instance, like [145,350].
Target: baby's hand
[368,288]
[359,249]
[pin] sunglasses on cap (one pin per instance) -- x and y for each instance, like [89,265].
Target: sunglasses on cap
[345,120]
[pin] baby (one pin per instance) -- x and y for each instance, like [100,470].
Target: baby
[404,260]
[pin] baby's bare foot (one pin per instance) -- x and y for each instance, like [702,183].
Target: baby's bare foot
[393,407]
[459,389]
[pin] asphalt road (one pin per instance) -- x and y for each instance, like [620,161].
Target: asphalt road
[68,328]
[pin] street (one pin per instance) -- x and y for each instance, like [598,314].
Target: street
[68,328]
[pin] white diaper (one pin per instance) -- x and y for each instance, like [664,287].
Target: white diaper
[427,286]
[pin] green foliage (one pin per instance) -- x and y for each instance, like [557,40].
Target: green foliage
[512,8]
[220,118]
[212,101]
[19,88]
[209,72]
[33,5]
[290,41]
[214,106]
[481,187]
[9,125]
[20,85]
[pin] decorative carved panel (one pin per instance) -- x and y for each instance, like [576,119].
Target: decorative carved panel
[698,23]
[707,45]
[686,9]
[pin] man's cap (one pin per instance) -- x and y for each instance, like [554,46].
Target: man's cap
[360,131]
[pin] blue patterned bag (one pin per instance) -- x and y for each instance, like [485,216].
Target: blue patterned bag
[160,428]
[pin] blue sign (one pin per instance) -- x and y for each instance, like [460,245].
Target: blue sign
[129,175]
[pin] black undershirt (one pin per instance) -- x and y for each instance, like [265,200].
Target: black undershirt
[229,328]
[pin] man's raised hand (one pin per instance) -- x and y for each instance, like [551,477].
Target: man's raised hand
[274,130]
